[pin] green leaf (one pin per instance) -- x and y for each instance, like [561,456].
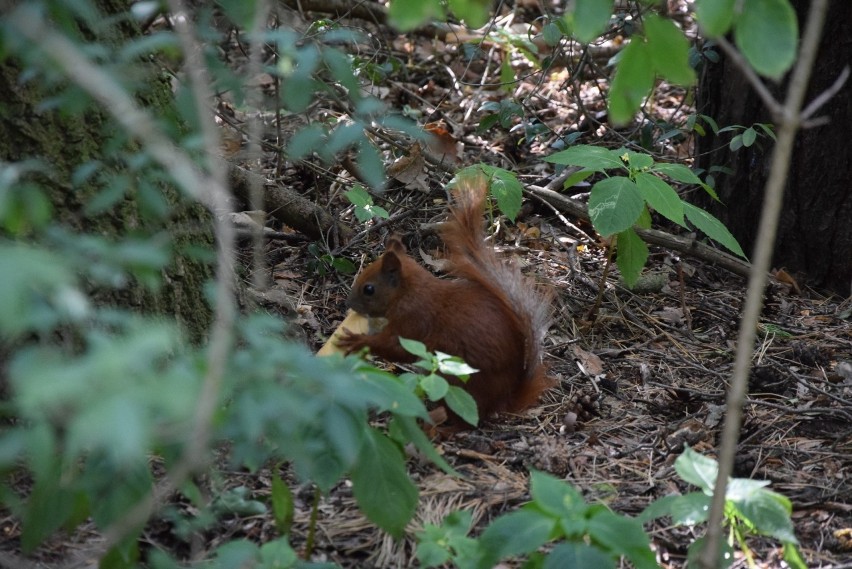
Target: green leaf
[551,34]
[516,533]
[749,136]
[556,497]
[669,50]
[236,553]
[381,485]
[409,428]
[283,506]
[305,141]
[432,554]
[48,506]
[677,172]
[358,196]
[743,488]
[576,178]
[661,196]
[697,469]
[623,536]
[768,514]
[506,189]
[767,33]
[592,158]
[658,508]
[713,228]
[614,205]
[435,386]
[793,557]
[573,554]
[462,404]
[475,13]
[736,143]
[637,160]
[632,255]
[767,128]
[415,348]
[715,16]
[591,18]
[277,554]
[634,77]
[408,14]
[115,425]
[691,509]
[29,277]
[388,393]
[453,365]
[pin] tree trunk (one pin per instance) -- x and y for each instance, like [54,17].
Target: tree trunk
[815,232]
[62,142]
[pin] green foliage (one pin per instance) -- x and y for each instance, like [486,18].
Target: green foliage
[766,31]
[365,210]
[505,187]
[748,135]
[663,51]
[588,534]
[325,263]
[408,14]
[503,111]
[99,394]
[434,386]
[619,201]
[590,18]
[750,509]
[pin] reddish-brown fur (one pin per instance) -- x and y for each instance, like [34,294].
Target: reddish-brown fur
[489,315]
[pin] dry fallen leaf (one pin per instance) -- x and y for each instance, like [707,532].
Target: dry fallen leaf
[589,362]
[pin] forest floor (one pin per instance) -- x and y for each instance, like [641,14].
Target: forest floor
[643,379]
[637,383]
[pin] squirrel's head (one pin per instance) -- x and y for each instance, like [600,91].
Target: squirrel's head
[379,285]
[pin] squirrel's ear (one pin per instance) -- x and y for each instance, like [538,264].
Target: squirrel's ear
[395,245]
[390,261]
[391,267]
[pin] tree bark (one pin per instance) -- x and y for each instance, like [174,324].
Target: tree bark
[62,142]
[815,234]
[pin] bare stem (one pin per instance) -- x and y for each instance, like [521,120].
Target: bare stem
[789,123]
[259,275]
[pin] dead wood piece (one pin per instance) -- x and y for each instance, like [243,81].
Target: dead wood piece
[686,245]
[288,207]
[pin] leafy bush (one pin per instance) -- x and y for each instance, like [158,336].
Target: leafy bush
[618,202]
[750,509]
[98,395]
[586,535]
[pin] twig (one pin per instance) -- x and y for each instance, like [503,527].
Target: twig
[826,95]
[685,245]
[260,279]
[789,123]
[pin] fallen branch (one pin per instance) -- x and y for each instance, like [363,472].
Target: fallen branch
[686,245]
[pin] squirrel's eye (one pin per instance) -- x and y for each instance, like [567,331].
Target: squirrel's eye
[369,290]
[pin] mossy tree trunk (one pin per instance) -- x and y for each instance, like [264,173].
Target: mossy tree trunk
[815,234]
[30,130]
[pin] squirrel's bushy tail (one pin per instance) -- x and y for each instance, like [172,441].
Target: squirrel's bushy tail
[473,259]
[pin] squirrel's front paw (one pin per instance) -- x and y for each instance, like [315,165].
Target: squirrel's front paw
[350,342]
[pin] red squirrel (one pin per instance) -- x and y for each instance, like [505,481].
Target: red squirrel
[489,314]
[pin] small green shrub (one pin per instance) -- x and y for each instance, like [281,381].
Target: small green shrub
[585,535]
[750,509]
[623,199]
